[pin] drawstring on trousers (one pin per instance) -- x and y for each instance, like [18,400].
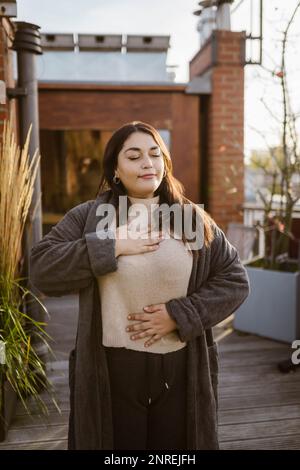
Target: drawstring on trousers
[164,375]
[164,371]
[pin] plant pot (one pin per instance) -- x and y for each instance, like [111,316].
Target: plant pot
[272,308]
[8,409]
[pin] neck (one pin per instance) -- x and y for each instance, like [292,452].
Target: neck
[142,196]
[144,200]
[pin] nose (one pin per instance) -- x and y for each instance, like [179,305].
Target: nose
[147,162]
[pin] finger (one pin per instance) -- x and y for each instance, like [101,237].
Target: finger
[149,245]
[156,233]
[152,308]
[139,316]
[137,326]
[143,334]
[149,248]
[154,240]
[152,340]
[145,235]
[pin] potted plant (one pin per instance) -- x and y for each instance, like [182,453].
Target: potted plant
[273,306]
[22,372]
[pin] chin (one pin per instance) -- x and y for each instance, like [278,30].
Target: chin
[152,184]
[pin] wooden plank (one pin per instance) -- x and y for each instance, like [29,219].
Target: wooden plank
[274,428]
[266,413]
[290,442]
[61,444]
[52,366]
[25,421]
[63,403]
[231,379]
[62,395]
[36,434]
[64,406]
[252,358]
[256,369]
[255,401]
[256,389]
[251,344]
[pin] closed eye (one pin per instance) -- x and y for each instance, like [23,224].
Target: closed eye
[133,158]
[153,155]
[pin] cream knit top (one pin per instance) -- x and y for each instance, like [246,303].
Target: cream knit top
[141,280]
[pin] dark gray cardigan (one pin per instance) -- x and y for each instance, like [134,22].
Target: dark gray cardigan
[70,257]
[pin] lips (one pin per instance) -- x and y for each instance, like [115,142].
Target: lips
[147,176]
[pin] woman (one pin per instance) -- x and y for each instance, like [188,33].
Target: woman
[143,374]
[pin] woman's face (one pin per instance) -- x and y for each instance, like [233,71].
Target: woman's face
[140,155]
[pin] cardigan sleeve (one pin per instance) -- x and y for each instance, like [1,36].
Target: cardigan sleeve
[65,260]
[225,289]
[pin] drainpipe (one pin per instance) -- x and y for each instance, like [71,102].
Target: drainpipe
[27,43]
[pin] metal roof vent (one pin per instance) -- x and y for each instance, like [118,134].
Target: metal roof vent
[57,42]
[136,43]
[100,42]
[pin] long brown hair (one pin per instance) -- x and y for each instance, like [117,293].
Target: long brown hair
[171,190]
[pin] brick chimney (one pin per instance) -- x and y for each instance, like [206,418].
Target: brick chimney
[221,59]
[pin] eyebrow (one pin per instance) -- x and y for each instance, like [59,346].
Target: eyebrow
[137,148]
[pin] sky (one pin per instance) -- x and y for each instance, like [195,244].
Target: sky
[175,18]
[167,17]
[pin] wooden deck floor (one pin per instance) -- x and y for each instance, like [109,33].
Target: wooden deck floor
[259,408]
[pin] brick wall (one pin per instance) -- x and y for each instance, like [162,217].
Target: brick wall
[223,54]
[107,107]
[9,109]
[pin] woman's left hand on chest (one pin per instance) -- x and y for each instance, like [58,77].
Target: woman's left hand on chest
[154,323]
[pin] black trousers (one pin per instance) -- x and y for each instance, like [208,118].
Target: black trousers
[148,399]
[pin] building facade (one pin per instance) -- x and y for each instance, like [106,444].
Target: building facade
[201,121]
